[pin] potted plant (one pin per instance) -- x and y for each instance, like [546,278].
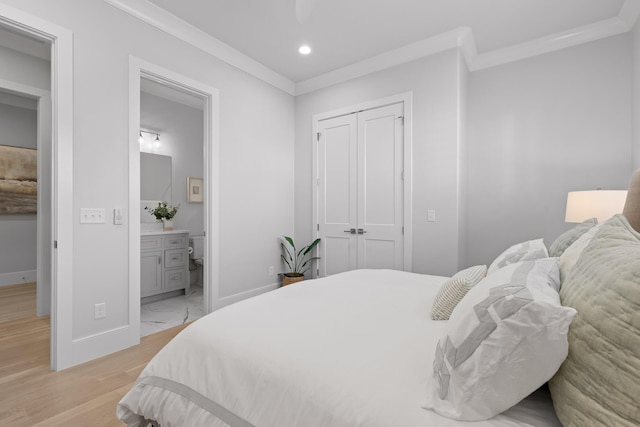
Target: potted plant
[164,212]
[299,261]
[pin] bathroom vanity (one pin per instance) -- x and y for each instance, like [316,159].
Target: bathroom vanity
[164,262]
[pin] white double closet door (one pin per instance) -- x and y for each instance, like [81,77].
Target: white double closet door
[360,190]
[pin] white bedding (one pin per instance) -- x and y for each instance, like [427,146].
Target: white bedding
[353,349]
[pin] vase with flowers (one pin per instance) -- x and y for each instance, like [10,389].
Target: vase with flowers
[164,212]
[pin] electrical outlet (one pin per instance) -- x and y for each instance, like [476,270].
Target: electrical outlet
[272,271]
[431,215]
[100,310]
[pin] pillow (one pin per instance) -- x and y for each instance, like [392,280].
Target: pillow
[532,249]
[454,289]
[570,256]
[568,237]
[599,383]
[505,339]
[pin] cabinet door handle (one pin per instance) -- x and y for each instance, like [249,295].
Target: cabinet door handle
[352,231]
[159,260]
[361,231]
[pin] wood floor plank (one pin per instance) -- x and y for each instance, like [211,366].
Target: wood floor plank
[85,395]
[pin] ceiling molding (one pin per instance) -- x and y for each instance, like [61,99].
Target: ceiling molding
[461,38]
[408,53]
[170,24]
[585,34]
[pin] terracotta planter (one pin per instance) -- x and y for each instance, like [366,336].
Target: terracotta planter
[286,280]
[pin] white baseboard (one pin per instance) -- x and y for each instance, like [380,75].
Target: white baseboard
[247,294]
[18,277]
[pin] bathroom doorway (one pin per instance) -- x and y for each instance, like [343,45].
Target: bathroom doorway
[171,158]
[173,161]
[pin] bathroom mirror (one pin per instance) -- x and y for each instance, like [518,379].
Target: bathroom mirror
[155,177]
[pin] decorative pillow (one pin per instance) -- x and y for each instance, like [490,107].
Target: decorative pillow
[505,339]
[568,237]
[570,256]
[454,289]
[532,249]
[599,383]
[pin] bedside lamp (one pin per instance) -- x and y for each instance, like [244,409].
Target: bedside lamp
[601,204]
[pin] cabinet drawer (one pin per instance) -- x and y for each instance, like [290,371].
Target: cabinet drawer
[150,243]
[175,279]
[175,242]
[175,258]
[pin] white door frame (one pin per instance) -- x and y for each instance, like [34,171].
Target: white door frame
[407,99]
[139,68]
[61,41]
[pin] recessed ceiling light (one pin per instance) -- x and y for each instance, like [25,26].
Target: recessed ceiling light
[305,50]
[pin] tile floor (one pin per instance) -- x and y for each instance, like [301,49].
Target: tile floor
[160,315]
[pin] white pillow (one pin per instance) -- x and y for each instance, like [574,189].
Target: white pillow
[570,255]
[531,249]
[506,338]
[454,289]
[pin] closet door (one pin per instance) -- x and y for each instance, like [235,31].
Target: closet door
[380,188]
[337,191]
[360,190]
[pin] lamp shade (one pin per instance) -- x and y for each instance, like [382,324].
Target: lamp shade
[601,204]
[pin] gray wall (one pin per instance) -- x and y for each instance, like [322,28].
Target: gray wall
[18,232]
[539,128]
[437,140]
[256,140]
[181,135]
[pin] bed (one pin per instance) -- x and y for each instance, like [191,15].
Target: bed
[362,349]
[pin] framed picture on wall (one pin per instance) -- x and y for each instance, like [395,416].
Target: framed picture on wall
[18,180]
[195,190]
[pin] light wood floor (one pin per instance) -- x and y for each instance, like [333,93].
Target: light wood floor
[85,395]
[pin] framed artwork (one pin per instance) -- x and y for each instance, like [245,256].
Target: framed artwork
[195,190]
[18,180]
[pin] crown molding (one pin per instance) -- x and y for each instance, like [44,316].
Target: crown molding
[461,38]
[411,52]
[170,24]
[585,34]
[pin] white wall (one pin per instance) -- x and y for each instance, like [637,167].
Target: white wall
[539,128]
[256,140]
[20,68]
[18,242]
[435,83]
[181,138]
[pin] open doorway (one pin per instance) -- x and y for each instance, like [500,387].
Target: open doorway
[171,173]
[165,110]
[26,197]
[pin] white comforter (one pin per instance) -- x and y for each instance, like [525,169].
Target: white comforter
[353,349]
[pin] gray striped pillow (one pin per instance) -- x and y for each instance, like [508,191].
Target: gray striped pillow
[454,289]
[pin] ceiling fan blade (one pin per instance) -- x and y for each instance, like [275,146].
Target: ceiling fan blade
[304,9]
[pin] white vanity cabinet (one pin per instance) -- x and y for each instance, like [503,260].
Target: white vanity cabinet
[164,262]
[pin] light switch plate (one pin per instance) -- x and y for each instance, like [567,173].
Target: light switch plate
[118,218]
[92,216]
[431,215]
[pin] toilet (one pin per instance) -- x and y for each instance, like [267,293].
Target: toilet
[196,243]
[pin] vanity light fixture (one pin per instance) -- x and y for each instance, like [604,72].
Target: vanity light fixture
[156,141]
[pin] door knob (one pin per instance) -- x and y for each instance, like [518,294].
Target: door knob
[361,231]
[352,231]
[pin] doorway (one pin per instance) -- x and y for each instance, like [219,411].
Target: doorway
[60,120]
[362,194]
[171,161]
[170,84]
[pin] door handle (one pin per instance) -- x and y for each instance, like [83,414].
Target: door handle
[361,231]
[352,231]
